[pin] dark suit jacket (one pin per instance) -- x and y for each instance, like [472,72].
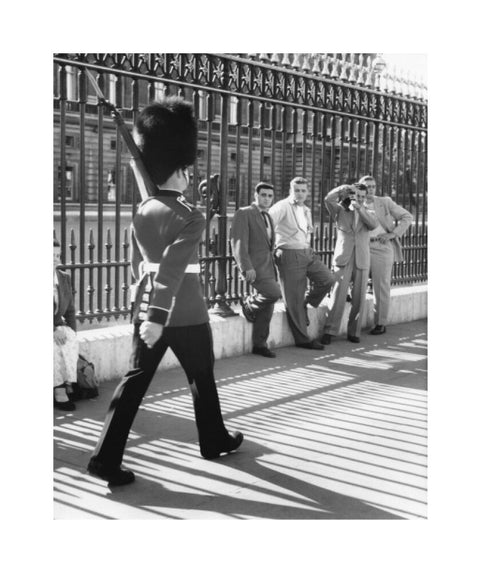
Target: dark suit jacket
[65,314]
[251,246]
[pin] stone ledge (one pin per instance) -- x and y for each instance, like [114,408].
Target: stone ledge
[109,348]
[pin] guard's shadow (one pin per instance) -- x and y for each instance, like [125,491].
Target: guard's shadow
[245,484]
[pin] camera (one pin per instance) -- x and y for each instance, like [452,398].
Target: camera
[347,202]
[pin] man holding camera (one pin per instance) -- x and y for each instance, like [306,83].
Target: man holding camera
[346,205]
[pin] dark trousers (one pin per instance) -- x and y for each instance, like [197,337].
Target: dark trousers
[296,267]
[262,303]
[193,346]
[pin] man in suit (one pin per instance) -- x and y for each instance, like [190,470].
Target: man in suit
[253,240]
[169,308]
[346,205]
[385,249]
[297,263]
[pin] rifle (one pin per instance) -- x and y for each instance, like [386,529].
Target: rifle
[144,182]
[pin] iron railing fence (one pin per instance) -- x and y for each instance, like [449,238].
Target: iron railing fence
[257,121]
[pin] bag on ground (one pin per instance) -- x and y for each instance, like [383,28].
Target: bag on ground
[86,381]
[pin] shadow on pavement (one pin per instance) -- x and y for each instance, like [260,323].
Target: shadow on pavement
[339,434]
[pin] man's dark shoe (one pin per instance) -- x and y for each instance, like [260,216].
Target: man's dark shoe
[265,352]
[354,339]
[115,476]
[313,345]
[64,405]
[249,315]
[326,339]
[377,330]
[234,442]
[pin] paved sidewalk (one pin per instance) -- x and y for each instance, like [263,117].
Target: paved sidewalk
[333,434]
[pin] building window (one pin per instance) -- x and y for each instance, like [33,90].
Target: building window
[232,188]
[267,160]
[69,141]
[159,91]
[112,89]
[69,191]
[233,110]
[113,144]
[202,105]
[71,83]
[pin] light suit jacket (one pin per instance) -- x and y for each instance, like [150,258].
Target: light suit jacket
[352,240]
[393,218]
[251,246]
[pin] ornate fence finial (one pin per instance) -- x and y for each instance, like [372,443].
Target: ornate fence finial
[296,61]
[335,67]
[264,57]
[362,75]
[316,63]
[306,63]
[344,67]
[275,59]
[325,69]
[252,56]
[353,76]
[286,60]
[370,78]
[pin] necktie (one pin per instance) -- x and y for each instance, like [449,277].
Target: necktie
[267,224]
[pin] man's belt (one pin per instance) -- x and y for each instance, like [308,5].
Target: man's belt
[154,266]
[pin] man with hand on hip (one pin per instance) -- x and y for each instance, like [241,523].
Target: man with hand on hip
[385,249]
[169,308]
[297,262]
[252,240]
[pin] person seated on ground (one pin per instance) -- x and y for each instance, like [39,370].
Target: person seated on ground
[65,343]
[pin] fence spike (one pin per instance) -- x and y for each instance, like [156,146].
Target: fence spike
[325,68]
[286,60]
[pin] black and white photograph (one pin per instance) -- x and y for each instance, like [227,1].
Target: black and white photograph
[264,307]
[240,278]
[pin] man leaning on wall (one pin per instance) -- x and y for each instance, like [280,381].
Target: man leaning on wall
[297,263]
[253,239]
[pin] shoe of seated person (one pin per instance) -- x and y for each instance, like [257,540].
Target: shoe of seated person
[354,339]
[116,476]
[235,439]
[378,329]
[64,405]
[61,399]
[313,345]
[263,351]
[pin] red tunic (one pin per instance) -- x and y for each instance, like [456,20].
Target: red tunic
[167,230]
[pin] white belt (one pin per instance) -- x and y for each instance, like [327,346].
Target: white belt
[154,266]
